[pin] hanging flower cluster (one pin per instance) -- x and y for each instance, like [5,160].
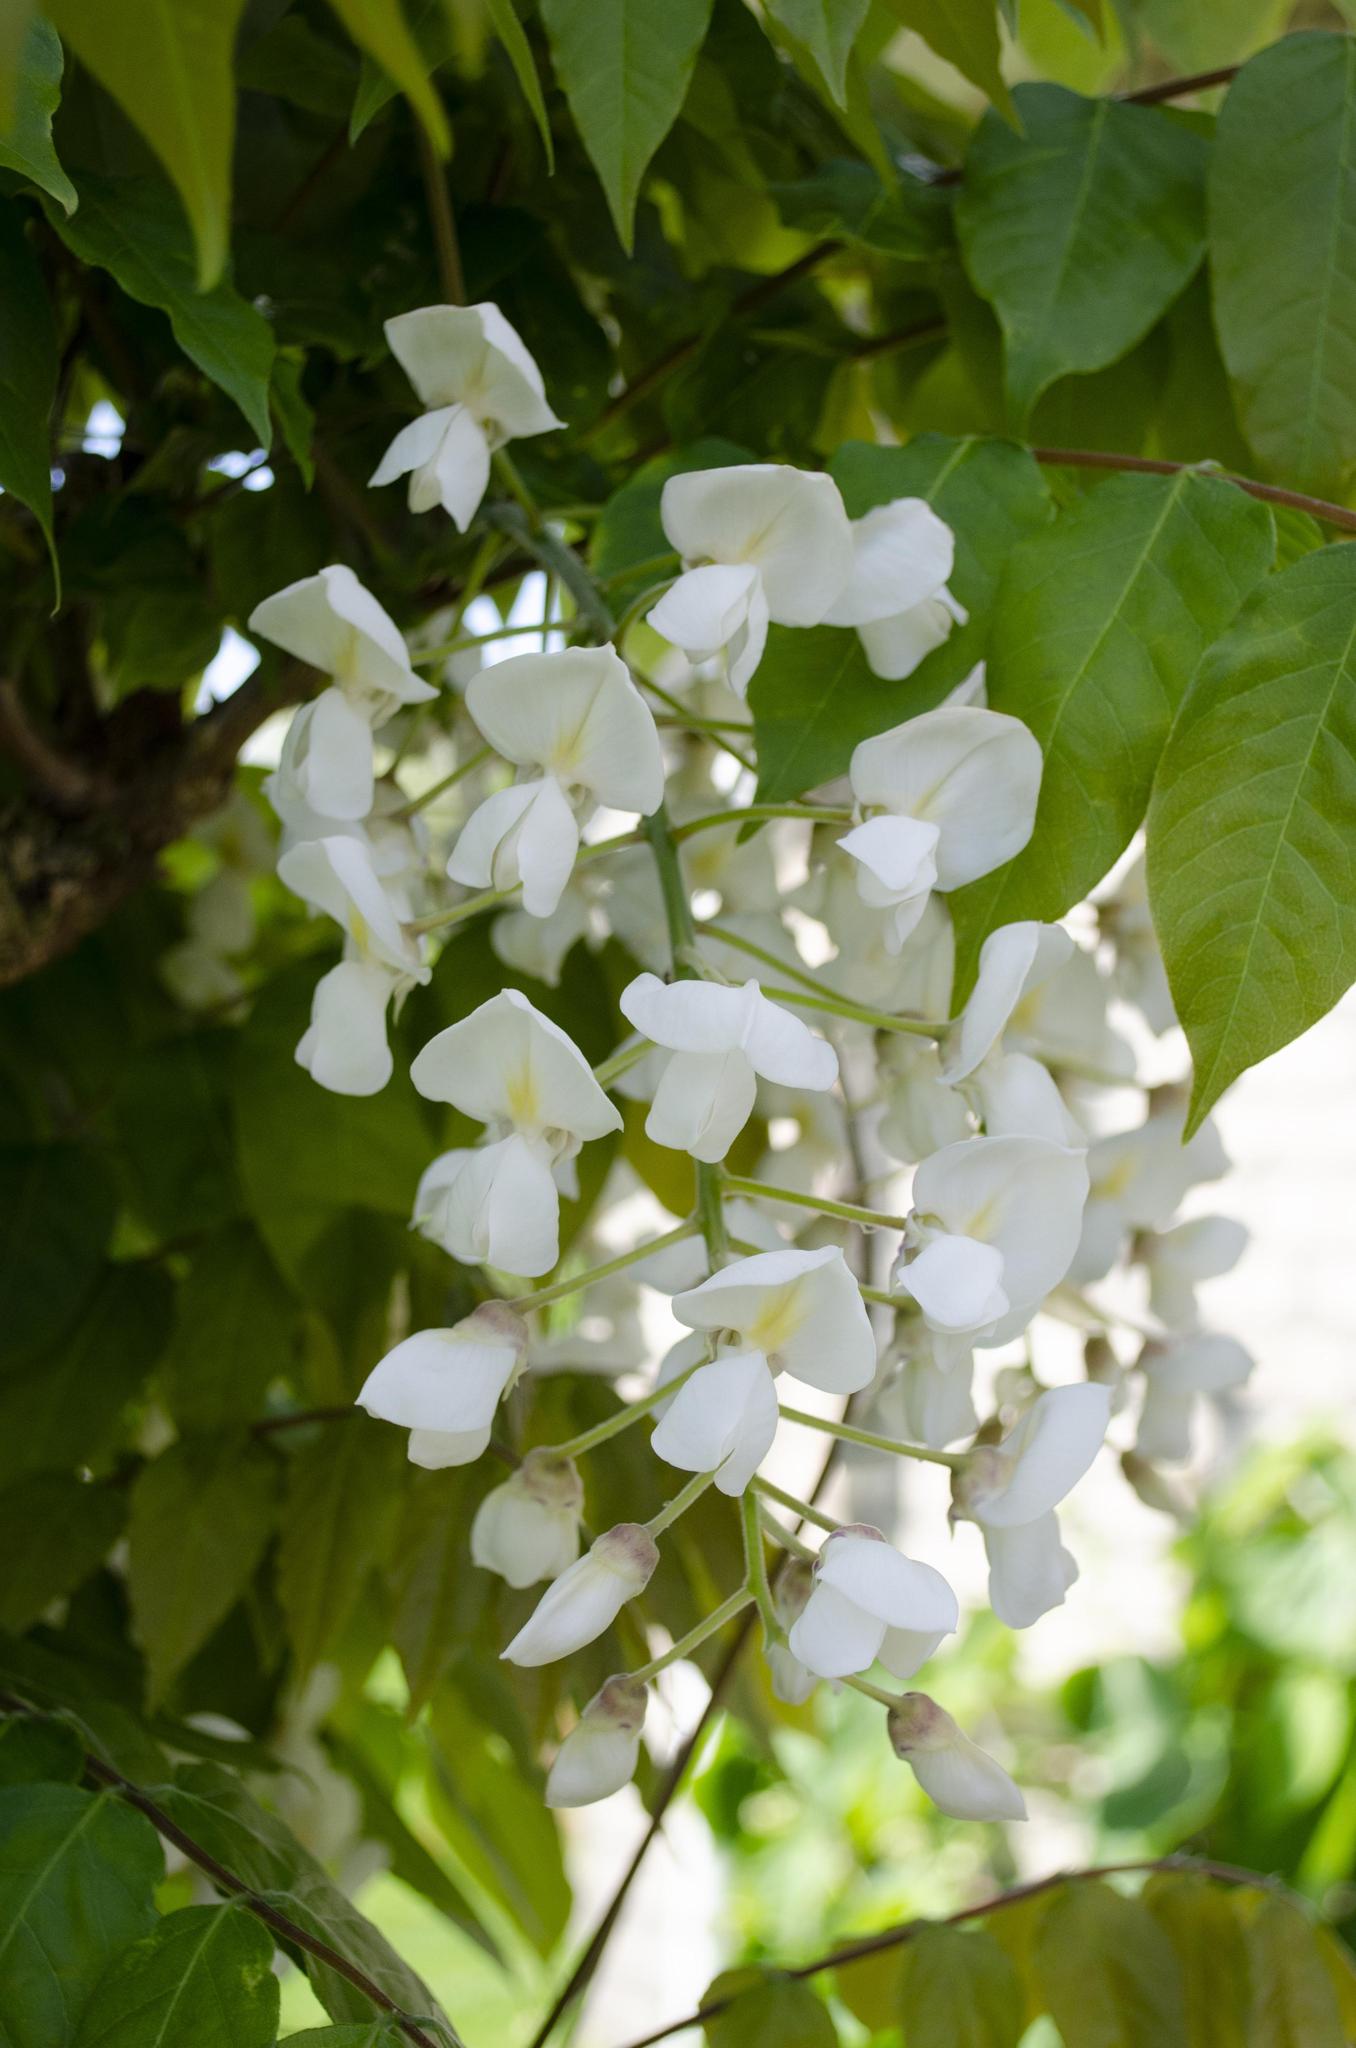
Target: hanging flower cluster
[1029,1163]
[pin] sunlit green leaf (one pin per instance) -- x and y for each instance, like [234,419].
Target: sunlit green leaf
[1294,2003]
[827,29]
[1109,1972]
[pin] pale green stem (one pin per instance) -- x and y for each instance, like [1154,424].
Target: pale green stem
[803,1508]
[561,1290]
[713,728]
[695,1637]
[851,1435]
[755,1565]
[1067,1305]
[873,1692]
[783,1538]
[753,813]
[488,899]
[626,1056]
[769,959]
[666,562]
[848,1212]
[634,1411]
[428,796]
[857,1013]
[506,469]
[464,641]
[682,1500]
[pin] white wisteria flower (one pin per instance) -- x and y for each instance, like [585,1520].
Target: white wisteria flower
[600,1753]
[722,1420]
[469,366]
[579,721]
[792,1681]
[528,1528]
[444,1385]
[994,1226]
[586,1599]
[1137,1179]
[1176,1374]
[1177,1260]
[958,1776]
[527,1082]
[722,1040]
[1013,1488]
[760,542]
[1013,961]
[948,796]
[870,1602]
[896,595]
[344,1047]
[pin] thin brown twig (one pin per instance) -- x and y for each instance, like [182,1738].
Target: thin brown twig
[1179,88]
[1271,494]
[896,1937]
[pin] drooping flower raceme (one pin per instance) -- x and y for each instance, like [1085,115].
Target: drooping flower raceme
[579,722]
[947,797]
[760,542]
[444,1385]
[896,595]
[333,624]
[870,1602]
[527,1082]
[1013,1488]
[481,387]
[722,1040]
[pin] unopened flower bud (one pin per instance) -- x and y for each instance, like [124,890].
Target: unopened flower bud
[792,1681]
[957,1775]
[599,1754]
[528,1528]
[588,1597]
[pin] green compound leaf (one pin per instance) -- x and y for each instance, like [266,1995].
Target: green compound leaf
[1252,865]
[1080,231]
[204,1975]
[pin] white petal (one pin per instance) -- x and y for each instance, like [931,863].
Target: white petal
[902,554]
[689,1016]
[591,1764]
[1163,1433]
[1024,1196]
[1018,1098]
[345,1048]
[895,647]
[957,1282]
[1030,1571]
[512,394]
[705,608]
[895,1589]
[1007,959]
[938,1405]
[577,716]
[744,650]
[802,1309]
[415,447]
[905,1651]
[789,523]
[331,622]
[722,1420]
[526,833]
[957,1775]
[702,1103]
[328,756]
[897,854]
[586,1600]
[336,875]
[502,1208]
[459,474]
[1202,1363]
[975,774]
[508,1062]
[436,1449]
[1052,1447]
[441,349]
[448,1380]
[787,1052]
[833,1637]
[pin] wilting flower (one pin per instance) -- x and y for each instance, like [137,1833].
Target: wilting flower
[759,542]
[896,596]
[599,1754]
[1013,1488]
[958,1776]
[722,1039]
[481,387]
[528,1528]
[870,1602]
[444,1385]
[586,1599]
[578,719]
[1175,1375]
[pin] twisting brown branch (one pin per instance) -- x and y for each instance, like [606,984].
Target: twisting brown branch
[896,1937]
[1271,494]
[234,1887]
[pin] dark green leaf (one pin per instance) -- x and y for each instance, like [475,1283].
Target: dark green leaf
[1283,255]
[959,1990]
[814,696]
[28,367]
[1294,2004]
[1098,628]
[1109,1972]
[508,28]
[436,1597]
[625,67]
[169,68]
[174,1133]
[77,1873]
[965,32]
[202,1514]
[204,1975]
[1081,231]
[379,28]
[132,228]
[908,221]
[62,1409]
[57,1210]
[35,1749]
[294,416]
[772,2011]
[26,145]
[827,29]
[1202,1922]
[375,2034]
[1252,870]
[341,1496]
[235,1332]
[54,1531]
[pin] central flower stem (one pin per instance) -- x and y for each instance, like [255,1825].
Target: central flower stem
[849,1435]
[695,1637]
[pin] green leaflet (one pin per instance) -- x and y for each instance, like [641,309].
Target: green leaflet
[1108,1971]
[202,1514]
[1202,1922]
[28,368]
[341,1498]
[1252,871]
[1080,231]
[625,66]
[965,32]
[168,65]
[1294,2003]
[57,1206]
[1283,256]
[827,29]
[77,1873]
[26,143]
[512,35]
[235,1332]
[204,1975]
[814,697]
[54,1531]
[959,1990]
[131,227]
[380,28]
[768,2011]
[1098,628]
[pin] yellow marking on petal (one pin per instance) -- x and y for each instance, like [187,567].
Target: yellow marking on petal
[359,931]
[777,1321]
[524,1103]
